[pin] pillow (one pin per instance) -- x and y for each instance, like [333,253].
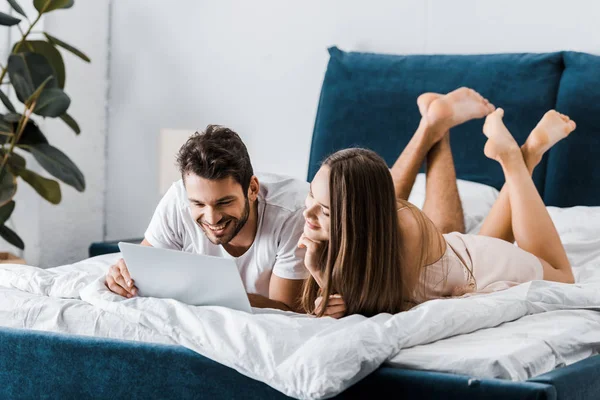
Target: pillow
[579,230]
[477,200]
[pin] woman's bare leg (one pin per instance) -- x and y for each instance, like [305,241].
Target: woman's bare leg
[546,134]
[531,223]
[431,142]
[405,169]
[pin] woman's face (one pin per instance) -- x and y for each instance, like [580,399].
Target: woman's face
[317,207]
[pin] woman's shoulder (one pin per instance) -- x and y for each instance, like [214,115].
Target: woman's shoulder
[410,218]
[418,232]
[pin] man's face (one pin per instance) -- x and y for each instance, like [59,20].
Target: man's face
[219,207]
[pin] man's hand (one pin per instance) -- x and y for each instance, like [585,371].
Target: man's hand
[336,308]
[119,281]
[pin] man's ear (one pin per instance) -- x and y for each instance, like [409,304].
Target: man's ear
[253,188]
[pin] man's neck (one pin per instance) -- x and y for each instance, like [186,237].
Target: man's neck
[245,237]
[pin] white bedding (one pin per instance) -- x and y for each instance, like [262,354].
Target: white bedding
[534,344]
[553,324]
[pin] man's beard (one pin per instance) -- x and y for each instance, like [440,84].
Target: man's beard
[239,224]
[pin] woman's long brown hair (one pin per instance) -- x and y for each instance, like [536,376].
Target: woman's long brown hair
[362,261]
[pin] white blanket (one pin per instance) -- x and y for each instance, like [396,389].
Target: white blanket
[299,355]
[534,344]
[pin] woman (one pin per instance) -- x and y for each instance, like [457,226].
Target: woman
[370,251]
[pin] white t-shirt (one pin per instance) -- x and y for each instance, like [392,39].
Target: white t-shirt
[275,247]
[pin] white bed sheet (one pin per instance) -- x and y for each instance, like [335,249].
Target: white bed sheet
[534,344]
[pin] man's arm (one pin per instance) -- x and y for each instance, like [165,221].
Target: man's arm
[289,273]
[284,294]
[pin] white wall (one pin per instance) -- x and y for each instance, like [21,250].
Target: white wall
[67,230]
[258,66]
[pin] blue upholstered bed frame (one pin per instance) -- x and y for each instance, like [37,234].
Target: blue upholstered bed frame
[367,100]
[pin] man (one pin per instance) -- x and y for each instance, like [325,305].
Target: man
[219,208]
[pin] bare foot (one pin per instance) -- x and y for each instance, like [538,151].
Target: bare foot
[425,100]
[501,146]
[552,128]
[457,107]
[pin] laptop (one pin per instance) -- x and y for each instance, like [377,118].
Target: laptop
[193,279]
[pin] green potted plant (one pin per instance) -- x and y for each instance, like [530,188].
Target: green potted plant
[36,72]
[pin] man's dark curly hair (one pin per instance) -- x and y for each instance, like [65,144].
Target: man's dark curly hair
[215,154]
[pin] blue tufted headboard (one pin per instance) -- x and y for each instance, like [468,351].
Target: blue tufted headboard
[369,100]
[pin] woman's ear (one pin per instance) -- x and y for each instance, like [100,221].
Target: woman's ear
[253,189]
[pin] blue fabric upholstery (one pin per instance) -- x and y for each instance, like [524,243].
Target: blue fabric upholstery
[573,174]
[369,100]
[107,247]
[35,365]
[577,381]
[53,366]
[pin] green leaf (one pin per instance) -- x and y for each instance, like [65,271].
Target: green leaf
[17,7]
[11,237]
[32,135]
[6,102]
[8,20]
[8,187]
[27,71]
[47,50]
[58,165]
[6,211]
[35,95]
[52,103]
[66,46]
[5,126]
[16,161]
[49,189]
[12,117]
[44,6]
[71,122]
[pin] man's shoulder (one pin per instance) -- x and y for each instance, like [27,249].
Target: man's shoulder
[282,192]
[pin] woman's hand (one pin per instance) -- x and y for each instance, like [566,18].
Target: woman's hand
[314,252]
[336,308]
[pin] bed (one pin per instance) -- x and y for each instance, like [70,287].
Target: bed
[63,336]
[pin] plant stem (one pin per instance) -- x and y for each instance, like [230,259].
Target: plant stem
[27,43]
[20,129]
[28,32]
